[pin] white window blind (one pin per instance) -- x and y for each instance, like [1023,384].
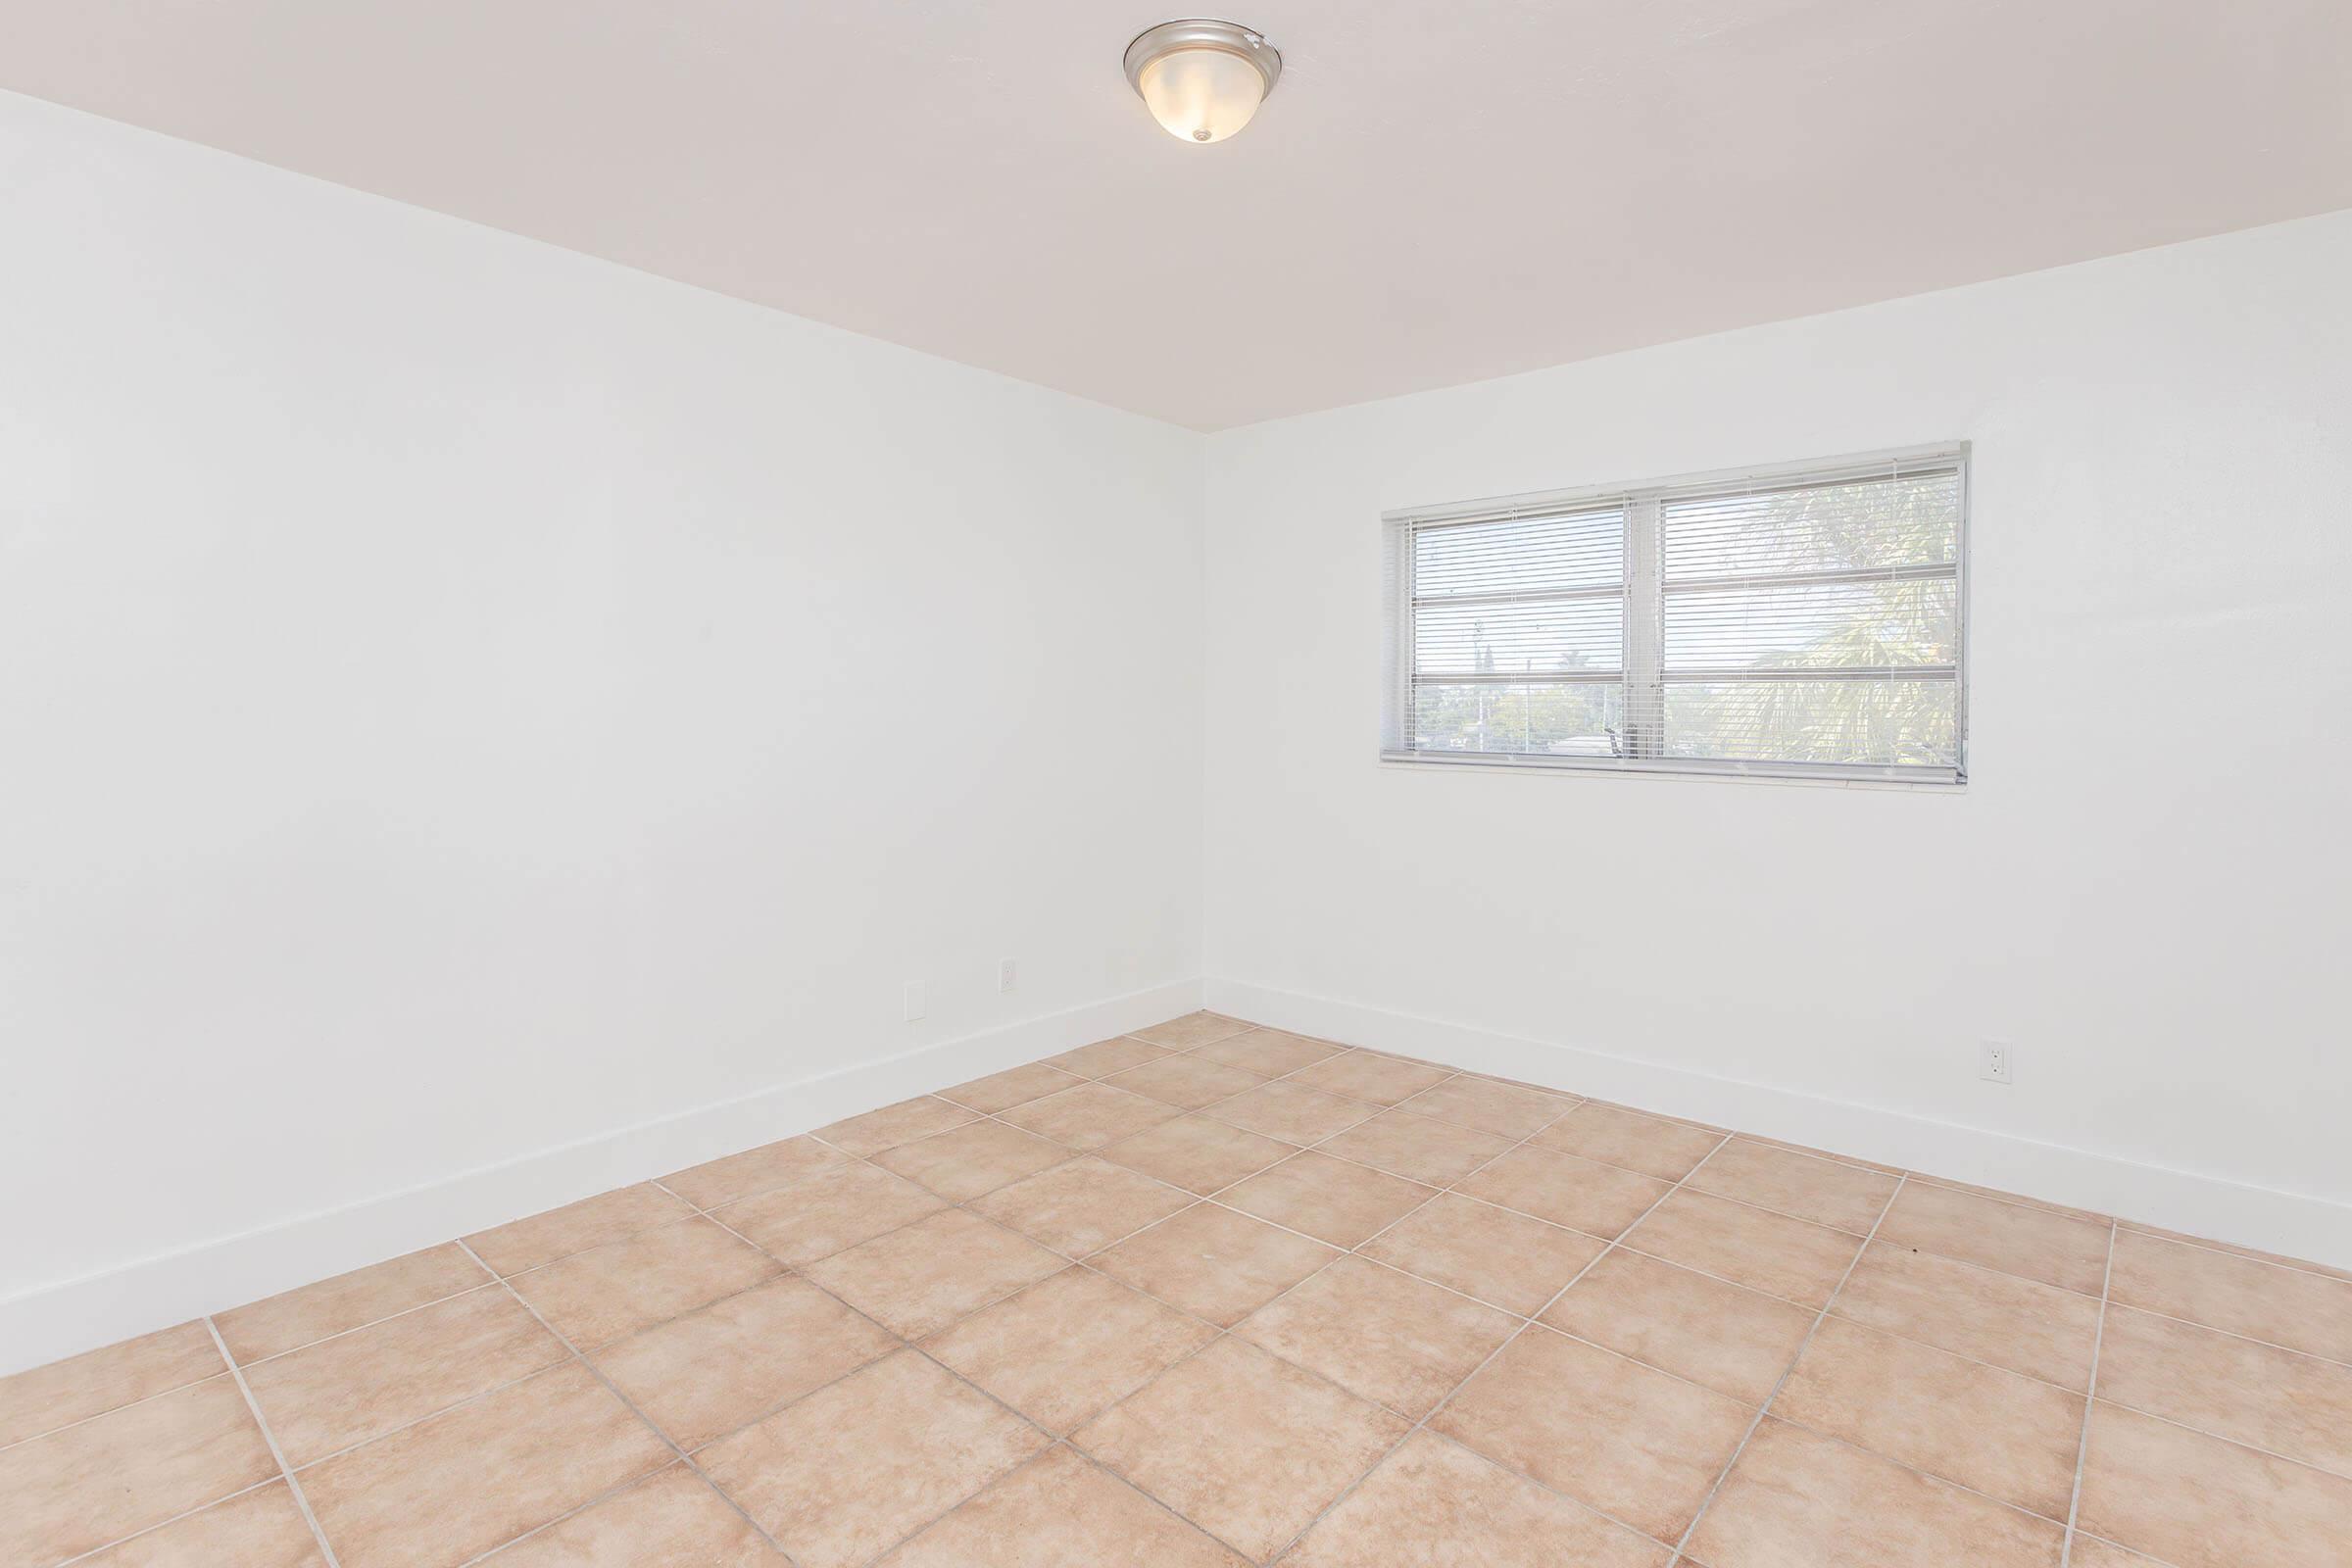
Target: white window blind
[1803,621]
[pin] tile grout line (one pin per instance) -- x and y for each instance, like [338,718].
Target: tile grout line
[1532,1320]
[113,1409]
[145,1531]
[2090,1401]
[1421,1425]
[630,1405]
[791,1271]
[694,1212]
[1225,1332]
[1053,1439]
[269,1437]
[1681,1548]
[1377,1109]
[1577,1103]
[1722,1139]
[572,1512]
[2314,1271]
[371,1323]
[794,1270]
[492,1277]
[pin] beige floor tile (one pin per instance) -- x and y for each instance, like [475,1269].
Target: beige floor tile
[2294,1406]
[917,1280]
[2197,1502]
[2031,1243]
[674,1520]
[858,1466]
[1245,1444]
[1186,1081]
[868,1135]
[1016,1085]
[1080,1207]
[344,1391]
[1497,1254]
[1383,1336]
[1268,1052]
[1362,1075]
[1437,1153]
[827,1212]
[1667,1150]
[1213,1263]
[1193,1029]
[47,1397]
[1796,1500]
[549,1444]
[1599,1200]
[1091,1116]
[2090,1552]
[706,1374]
[1069,1347]
[2020,1324]
[1196,1154]
[258,1529]
[1331,1200]
[973,1160]
[542,1239]
[1994,1193]
[1832,1154]
[596,1297]
[1639,1445]
[1945,1382]
[755,1170]
[1991,1431]
[2247,1252]
[1292,1113]
[2309,1312]
[87,1486]
[296,1317]
[1060,1511]
[1794,1259]
[1107,1057]
[1435,1504]
[1508,1110]
[1724,1336]
[1822,1191]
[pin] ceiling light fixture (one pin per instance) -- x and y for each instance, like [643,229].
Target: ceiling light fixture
[1203,79]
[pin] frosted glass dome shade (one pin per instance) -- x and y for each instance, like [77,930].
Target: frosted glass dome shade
[1203,79]
[1202,94]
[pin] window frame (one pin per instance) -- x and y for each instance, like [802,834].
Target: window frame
[1644,600]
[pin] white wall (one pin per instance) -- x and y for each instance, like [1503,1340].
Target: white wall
[2143,886]
[458,699]
[466,710]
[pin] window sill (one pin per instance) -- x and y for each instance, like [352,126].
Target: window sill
[1577,767]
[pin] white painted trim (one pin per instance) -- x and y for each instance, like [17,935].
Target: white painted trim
[66,1317]
[2296,1224]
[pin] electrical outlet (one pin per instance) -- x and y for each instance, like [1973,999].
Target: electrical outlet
[1008,974]
[1993,1062]
[917,1004]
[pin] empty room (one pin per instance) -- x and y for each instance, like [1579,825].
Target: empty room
[1031,784]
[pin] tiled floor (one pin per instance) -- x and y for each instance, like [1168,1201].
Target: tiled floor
[1111,1309]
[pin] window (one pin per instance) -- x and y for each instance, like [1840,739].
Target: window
[1801,622]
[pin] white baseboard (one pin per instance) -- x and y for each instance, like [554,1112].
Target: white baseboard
[2296,1224]
[67,1317]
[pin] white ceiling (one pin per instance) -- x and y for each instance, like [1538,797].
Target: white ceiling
[1436,193]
